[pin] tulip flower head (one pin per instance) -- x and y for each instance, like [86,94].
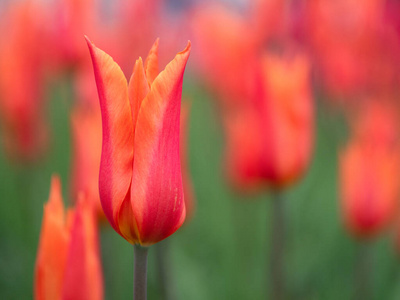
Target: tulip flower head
[140,181]
[68,260]
[270,138]
[369,173]
[25,135]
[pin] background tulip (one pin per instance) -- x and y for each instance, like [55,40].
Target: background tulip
[68,260]
[22,109]
[369,189]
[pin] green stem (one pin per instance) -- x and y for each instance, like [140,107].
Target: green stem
[140,272]
[277,269]
[25,200]
[363,271]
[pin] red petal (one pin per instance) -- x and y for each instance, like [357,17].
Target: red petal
[117,148]
[83,274]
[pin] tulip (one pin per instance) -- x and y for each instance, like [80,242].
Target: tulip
[356,55]
[222,51]
[289,119]
[368,178]
[70,19]
[370,191]
[270,138]
[68,261]
[140,176]
[25,135]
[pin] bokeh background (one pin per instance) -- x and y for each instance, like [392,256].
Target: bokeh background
[222,252]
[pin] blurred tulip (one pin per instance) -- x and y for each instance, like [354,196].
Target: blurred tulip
[226,52]
[22,82]
[140,177]
[267,18]
[269,140]
[70,19]
[289,120]
[354,45]
[68,261]
[135,27]
[86,134]
[369,173]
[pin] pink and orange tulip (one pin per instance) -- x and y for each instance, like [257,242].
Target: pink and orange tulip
[289,119]
[369,173]
[68,261]
[354,45]
[140,174]
[270,138]
[369,191]
[22,79]
[225,56]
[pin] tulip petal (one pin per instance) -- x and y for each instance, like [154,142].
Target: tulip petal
[117,148]
[156,195]
[138,89]
[83,273]
[151,63]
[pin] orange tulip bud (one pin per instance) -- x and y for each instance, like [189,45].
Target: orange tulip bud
[289,119]
[68,261]
[369,188]
[140,174]
[22,62]
[224,38]
[270,137]
[369,173]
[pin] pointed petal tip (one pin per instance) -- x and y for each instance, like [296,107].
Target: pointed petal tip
[138,65]
[187,49]
[55,187]
[88,41]
[55,201]
[55,179]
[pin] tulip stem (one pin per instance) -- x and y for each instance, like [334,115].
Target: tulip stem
[277,270]
[363,271]
[140,272]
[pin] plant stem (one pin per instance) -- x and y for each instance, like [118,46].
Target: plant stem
[363,271]
[277,269]
[24,194]
[140,272]
[165,281]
